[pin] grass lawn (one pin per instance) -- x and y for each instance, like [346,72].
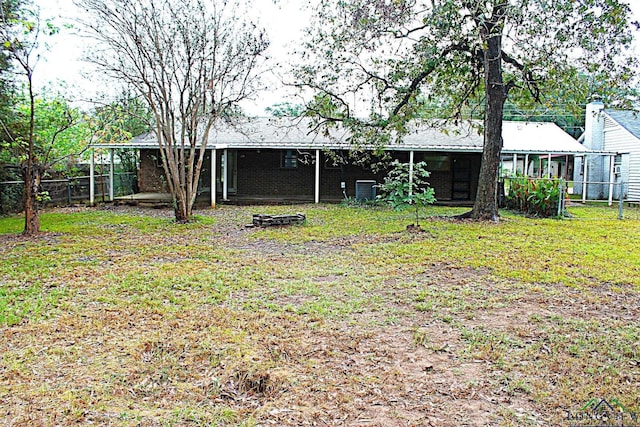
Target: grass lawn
[120,317]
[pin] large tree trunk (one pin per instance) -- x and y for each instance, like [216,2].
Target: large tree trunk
[32,178]
[486,203]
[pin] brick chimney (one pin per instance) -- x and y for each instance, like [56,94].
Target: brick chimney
[594,140]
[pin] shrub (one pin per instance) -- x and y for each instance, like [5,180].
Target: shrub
[535,197]
[401,194]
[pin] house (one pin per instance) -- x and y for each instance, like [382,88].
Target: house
[275,159]
[613,165]
[546,152]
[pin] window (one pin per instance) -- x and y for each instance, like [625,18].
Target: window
[437,163]
[289,159]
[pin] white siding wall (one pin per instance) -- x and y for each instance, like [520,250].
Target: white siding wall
[619,140]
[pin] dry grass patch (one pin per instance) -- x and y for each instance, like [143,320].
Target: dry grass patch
[342,321]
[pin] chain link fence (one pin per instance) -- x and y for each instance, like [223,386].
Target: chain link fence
[65,192]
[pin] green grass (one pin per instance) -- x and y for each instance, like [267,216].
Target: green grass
[123,317]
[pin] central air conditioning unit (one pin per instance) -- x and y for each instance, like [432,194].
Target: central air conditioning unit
[365,190]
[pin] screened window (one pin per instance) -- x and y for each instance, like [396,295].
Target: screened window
[289,159]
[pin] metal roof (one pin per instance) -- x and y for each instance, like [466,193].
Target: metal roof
[287,133]
[630,120]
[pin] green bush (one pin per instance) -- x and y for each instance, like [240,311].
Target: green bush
[11,198]
[535,197]
[401,194]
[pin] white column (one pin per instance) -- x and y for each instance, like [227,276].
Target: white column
[612,177]
[92,176]
[514,168]
[111,174]
[585,176]
[214,155]
[411,172]
[549,165]
[225,175]
[317,198]
[525,170]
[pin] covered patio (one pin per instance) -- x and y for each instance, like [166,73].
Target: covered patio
[236,168]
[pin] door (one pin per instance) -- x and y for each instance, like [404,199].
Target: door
[461,179]
[229,171]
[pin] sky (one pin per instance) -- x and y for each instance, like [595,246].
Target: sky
[62,66]
[62,61]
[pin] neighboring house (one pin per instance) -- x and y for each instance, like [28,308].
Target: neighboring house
[613,137]
[274,159]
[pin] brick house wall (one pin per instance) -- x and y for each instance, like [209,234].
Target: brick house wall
[151,177]
[261,173]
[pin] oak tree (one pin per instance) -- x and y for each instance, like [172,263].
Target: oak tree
[469,56]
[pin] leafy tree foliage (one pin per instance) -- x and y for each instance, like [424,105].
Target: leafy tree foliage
[468,56]
[60,134]
[119,121]
[9,10]
[285,109]
[192,61]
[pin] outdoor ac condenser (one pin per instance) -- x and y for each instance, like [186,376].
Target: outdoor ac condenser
[365,190]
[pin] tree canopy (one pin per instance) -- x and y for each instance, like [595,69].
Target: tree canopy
[397,57]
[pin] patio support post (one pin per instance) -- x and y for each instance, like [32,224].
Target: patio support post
[514,168]
[525,169]
[549,166]
[585,171]
[214,156]
[225,175]
[92,176]
[111,174]
[317,192]
[612,178]
[411,173]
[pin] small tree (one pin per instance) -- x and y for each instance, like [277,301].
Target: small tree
[34,128]
[192,61]
[403,189]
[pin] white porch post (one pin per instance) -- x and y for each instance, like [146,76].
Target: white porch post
[612,178]
[548,165]
[317,192]
[514,168]
[92,176]
[111,174]
[411,173]
[525,169]
[214,156]
[585,171]
[225,175]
